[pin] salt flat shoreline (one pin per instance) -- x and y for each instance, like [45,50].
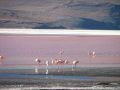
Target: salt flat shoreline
[78,71]
[108,78]
[61,88]
[86,74]
[45,83]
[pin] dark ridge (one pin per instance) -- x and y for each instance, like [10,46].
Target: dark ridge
[103,83]
[84,4]
[115,14]
[48,26]
[93,24]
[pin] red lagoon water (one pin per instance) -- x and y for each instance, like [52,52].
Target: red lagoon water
[24,49]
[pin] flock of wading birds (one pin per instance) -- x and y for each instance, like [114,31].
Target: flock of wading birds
[57,61]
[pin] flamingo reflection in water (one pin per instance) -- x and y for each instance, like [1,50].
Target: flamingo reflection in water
[38,61]
[47,64]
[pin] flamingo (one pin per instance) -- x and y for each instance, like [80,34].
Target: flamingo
[75,62]
[55,62]
[47,64]
[52,62]
[92,53]
[38,60]
[59,62]
[61,53]
[1,59]
[36,67]
[66,62]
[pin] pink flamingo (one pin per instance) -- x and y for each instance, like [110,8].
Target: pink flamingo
[92,53]
[38,60]
[59,61]
[75,62]
[36,67]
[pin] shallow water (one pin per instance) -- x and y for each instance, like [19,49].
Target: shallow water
[45,76]
[15,81]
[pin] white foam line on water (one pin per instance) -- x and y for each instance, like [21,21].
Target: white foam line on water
[59,32]
[85,88]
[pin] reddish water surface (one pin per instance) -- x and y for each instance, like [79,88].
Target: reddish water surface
[24,49]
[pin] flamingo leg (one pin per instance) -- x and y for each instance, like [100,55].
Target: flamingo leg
[72,67]
[75,66]
[47,71]
[1,61]
[36,70]
[58,69]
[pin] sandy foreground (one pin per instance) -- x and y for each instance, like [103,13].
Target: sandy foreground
[46,83]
